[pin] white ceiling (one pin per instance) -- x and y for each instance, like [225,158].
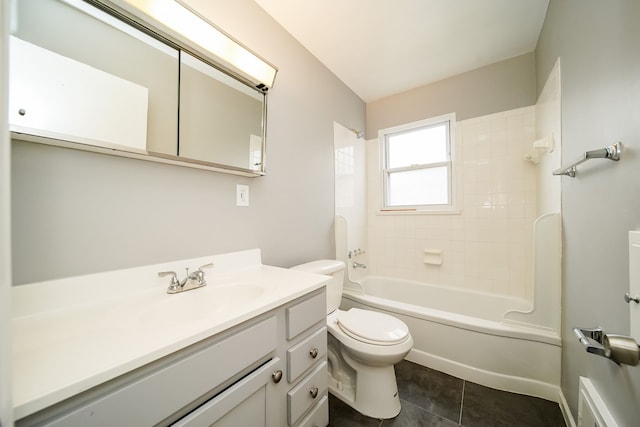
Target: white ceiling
[382,47]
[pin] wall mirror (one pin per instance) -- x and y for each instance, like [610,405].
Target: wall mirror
[205,131]
[108,76]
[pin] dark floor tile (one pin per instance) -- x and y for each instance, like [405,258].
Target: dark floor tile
[485,406]
[414,416]
[343,415]
[434,391]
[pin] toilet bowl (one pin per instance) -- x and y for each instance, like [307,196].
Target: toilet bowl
[363,346]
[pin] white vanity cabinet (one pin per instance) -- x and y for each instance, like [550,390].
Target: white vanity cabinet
[306,330]
[268,371]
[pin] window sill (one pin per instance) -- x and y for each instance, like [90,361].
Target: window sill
[414,211]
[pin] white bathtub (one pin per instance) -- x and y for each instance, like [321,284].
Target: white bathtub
[479,345]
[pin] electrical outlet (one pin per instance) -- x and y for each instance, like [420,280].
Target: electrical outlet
[242,195]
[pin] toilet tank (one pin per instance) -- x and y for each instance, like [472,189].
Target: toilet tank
[328,267]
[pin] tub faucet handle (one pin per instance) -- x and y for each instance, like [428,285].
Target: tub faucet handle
[354,253]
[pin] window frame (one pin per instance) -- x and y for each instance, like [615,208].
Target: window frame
[450,164]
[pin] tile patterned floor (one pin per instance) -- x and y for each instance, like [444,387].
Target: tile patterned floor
[434,399]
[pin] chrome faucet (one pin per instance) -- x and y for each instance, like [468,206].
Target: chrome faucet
[193,280]
[357,264]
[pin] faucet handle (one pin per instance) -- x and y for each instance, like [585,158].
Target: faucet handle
[175,283]
[169,273]
[199,274]
[199,270]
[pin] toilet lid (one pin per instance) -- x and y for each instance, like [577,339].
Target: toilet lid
[372,327]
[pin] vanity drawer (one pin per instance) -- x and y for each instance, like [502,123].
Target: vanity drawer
[305,314]
[319,416]
[303,355]
[304,395]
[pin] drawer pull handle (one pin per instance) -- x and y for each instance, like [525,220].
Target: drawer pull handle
[314,353]
[314,392]
[277,376]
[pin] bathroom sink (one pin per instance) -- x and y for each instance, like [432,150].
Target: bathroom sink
[199,304]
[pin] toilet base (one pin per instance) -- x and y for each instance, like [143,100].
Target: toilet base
[375,393]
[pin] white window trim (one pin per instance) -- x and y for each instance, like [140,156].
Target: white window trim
[453,206]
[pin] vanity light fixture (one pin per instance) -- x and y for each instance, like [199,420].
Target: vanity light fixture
[178,20]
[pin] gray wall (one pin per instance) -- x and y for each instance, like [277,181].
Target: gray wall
[77,212]
[497,87]
[599,44]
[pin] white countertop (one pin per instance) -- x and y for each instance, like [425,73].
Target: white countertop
[72,334]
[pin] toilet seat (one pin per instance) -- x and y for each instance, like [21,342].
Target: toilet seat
[372,327]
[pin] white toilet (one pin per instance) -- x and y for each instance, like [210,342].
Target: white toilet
[362,349]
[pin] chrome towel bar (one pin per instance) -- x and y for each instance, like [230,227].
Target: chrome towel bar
[611,152]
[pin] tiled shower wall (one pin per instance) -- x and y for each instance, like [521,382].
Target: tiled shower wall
[486,246]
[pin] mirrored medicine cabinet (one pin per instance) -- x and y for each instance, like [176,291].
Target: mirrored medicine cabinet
[93,76]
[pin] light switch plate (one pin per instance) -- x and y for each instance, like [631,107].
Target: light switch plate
[242,195]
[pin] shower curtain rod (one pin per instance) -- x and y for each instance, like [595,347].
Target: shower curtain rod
[611,152]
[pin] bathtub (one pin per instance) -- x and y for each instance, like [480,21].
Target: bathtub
[467,334]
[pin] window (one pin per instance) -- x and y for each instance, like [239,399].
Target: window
[417,165]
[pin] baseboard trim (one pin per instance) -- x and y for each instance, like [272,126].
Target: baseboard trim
[566,411]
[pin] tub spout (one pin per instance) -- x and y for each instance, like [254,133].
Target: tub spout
[357,264]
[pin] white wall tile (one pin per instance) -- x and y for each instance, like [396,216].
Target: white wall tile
[487,246]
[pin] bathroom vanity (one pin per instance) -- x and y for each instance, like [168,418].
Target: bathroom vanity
[114,348]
